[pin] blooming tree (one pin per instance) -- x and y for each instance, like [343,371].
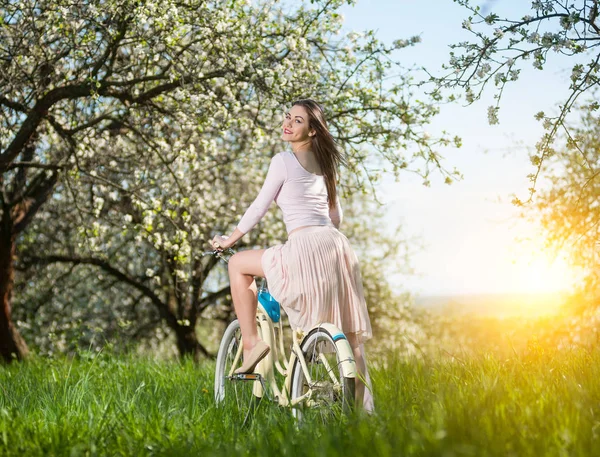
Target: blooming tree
[150,123]
[501,46]
[568,207]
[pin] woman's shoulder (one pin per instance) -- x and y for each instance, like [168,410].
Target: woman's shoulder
[284,158]
[279,164]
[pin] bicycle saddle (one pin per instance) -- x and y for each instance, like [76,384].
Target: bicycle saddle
[270,305]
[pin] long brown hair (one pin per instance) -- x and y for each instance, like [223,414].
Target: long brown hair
[323,146]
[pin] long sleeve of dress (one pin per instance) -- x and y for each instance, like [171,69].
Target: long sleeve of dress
[273,182]
[336,214]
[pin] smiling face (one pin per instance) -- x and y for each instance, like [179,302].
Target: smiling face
[295,126]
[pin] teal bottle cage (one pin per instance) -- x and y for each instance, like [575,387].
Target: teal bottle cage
[270,305]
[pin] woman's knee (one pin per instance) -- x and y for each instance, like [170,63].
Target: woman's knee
[237,265]
[238,277]
[233,266]
[246,263]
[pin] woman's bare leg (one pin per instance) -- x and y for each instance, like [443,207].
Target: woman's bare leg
[243,266]
[363,394]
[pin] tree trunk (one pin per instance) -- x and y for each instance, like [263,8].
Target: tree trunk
[12,345]
[188,344]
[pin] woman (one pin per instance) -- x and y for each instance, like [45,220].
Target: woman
[315,275]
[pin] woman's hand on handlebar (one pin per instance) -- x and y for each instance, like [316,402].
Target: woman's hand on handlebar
[220,243]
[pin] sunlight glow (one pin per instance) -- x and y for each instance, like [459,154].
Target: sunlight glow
[537,270]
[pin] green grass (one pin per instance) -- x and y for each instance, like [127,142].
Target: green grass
[539,405]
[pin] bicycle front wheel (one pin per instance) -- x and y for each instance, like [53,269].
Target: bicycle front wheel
[235,394]
[328,393]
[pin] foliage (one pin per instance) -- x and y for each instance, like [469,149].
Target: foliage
[100,405]
[501,46]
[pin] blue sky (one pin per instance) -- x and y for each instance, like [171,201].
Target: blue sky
[470,229]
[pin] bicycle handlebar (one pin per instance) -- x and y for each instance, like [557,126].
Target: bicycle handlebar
[219,253]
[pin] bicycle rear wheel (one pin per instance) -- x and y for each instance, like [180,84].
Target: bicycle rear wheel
[332,392]
[234,394]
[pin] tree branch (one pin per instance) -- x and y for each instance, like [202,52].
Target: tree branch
[13,105]
[43,166]
[163,308]
[36,197]
[209,299]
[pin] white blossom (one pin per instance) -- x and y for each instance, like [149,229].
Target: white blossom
[492,115]
[484,69]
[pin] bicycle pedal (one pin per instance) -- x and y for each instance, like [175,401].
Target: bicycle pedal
[246,377]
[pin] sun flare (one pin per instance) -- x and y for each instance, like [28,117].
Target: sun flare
[537,270]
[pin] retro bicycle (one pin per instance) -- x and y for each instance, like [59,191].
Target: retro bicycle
[316,378]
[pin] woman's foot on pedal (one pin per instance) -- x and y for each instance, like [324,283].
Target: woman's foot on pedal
[260,350]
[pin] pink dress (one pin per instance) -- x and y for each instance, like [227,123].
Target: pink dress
[315,275]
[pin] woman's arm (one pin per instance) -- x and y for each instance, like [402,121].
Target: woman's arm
[336,214]
[273,182]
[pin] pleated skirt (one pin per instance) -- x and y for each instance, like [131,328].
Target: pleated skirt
[315,276]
